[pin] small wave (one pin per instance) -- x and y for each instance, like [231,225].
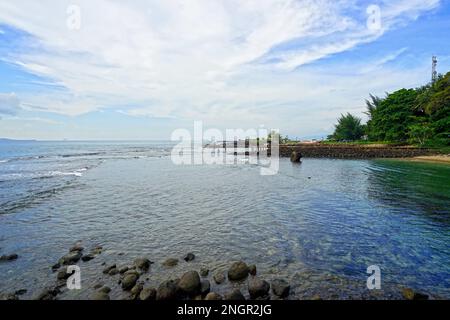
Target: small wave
[4,161]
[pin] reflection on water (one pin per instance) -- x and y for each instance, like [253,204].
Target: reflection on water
[318,224]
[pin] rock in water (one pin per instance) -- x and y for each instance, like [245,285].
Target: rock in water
[296,157]
[129,281]
[136,290]
[142,263]
[190,283]
[280,288]
[76,248]
[70,258]
[168,290]
[204,272]
[252,270]
[189,257]
[170,262]
[10,257]
[238,271]
[258,288]
[219,277]
[235,295]
[87,257]
[213,296]
[410,294]
[100,296]
[105,289]
[108,269]
[147,294]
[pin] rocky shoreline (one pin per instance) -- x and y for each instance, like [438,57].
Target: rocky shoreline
[132,280]
[340,151]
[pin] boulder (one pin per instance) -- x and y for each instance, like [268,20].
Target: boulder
[142,263]
[168,290]
[136,290]
[235,295]
[109,268]
[296,157]
[71,258]
[100,296]
[123,270]
[105,289]
[88,257]
[129,281]
[238,271]
[213,296]
[190,283]
[219,277]
[76,248]
[113,271]
[63,274]
[47,294]
[280,288]
[258,288]
[147,294]
[170,262]
[189,257]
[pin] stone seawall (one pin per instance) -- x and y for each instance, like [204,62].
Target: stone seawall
[354,151]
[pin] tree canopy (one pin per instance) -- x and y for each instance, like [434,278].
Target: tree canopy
[349,128]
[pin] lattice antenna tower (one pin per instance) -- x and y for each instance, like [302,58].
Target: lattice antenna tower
[434,73]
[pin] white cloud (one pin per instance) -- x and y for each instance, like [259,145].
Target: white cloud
[9,104]
[200,59]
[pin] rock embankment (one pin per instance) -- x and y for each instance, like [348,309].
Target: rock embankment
[353,151]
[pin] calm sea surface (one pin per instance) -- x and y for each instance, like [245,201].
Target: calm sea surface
[319,224]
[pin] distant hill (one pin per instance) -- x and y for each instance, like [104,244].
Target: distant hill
[4,140]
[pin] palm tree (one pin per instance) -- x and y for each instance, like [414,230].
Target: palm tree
[372,104]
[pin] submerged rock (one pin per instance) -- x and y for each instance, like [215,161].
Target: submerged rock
[410,294]
[280,288]
[213,296]
[109,268]
[252,270]
[258,288]
[190,283]
[100,296]
[238,271]
[10,257]
[76,248]
[204,272]
[21,292]
[170,262]
[168,290]
[189,257]
[142,263]
[123,270]
[129,281]
[219,277]
[235,295]
[88,257]
[147,294]
[8,297]
[47,294]
[70,258]
[113,271]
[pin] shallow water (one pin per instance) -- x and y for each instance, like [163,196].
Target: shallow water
[316,224]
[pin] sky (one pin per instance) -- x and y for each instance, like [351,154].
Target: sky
[138,70]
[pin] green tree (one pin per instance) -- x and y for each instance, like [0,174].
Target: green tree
[349,127]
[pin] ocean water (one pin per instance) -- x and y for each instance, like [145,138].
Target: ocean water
[319,224]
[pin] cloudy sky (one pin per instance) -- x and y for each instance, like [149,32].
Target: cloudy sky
[112,69]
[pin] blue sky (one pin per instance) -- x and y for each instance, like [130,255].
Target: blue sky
[138,70]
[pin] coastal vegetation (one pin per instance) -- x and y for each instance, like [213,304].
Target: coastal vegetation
[418,116]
